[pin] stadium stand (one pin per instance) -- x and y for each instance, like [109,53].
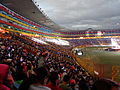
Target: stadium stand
[29,65]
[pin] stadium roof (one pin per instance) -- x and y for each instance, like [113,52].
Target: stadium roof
[29,10]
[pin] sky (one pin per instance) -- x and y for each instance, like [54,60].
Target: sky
[83,14]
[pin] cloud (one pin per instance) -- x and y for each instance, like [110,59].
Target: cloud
[82,14]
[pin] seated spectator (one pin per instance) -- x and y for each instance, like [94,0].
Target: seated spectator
[65,84]
[41,78]
[72,84]
[104,84]
[53,81]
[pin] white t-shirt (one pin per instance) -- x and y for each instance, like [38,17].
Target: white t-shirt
[34,87]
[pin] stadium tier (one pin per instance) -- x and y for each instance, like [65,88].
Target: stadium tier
[11,20]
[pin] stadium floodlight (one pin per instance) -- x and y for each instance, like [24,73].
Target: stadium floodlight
[114,44]
[9,27]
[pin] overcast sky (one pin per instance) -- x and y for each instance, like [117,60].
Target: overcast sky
[83,14]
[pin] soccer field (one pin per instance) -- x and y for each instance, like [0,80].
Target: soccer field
[101,56]
[103,61]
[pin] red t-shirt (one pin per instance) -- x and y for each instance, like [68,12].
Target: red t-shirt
[53,87]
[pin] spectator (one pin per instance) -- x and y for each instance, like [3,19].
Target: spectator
[65,84]
[6,80]
[72,84]
[41,78]
[53,81]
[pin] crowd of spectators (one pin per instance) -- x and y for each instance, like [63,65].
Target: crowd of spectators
[92,41]
[24,65]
